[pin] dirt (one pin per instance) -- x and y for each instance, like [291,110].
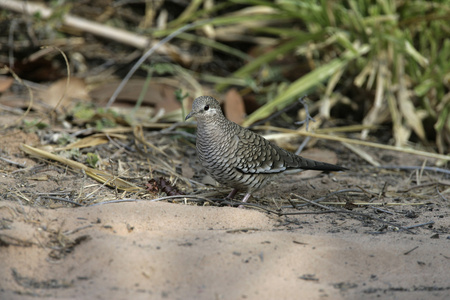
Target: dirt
[395,245]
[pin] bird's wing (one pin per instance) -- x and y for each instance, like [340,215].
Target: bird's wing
[256,155]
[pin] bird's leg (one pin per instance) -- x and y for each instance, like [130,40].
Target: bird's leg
[246,197]
[232,194]
[245,200]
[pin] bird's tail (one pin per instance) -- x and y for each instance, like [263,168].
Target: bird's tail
[309,164]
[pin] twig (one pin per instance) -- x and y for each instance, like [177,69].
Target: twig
[193,197]
[62,199]
[66,87]
[182,133]
[423,185]
[308,116]
[369,204]
[252,205]
[30,94]
[19,194]
[76,229]
[380,193]
[361,153]
[366,191]
[54,194]
[284,110]
[302,145]
[440,194]
[172,127]
[147,55]
[382,210]
[12,29]
[11,240]
[243,229]
[17,111]
[420,225]
[152,200]
[315,203]
[286,131]
[426,168]
[116,34]
[409,251]
[114,142]
[349,212]
[321,212]
[13,162]
[328,196]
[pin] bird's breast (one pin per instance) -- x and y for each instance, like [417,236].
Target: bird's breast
[216,148]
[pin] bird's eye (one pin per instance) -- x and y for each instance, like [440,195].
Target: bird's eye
[206,107]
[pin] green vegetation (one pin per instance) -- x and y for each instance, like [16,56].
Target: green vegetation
[384,61]
[92,159]
[397,51]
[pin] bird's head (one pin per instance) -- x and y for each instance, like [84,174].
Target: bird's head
[205,107]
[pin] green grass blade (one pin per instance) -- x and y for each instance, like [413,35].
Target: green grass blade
[270,56]
[303,84]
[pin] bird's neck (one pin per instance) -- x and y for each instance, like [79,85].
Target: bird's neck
[217,128]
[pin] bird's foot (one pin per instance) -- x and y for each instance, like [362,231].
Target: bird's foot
[233,193]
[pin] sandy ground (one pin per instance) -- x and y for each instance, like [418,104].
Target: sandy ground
[161,250]
[146,250]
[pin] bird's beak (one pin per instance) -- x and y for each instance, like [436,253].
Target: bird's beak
[189,115]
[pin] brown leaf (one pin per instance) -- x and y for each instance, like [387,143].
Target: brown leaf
[92,141]
[320,155]
[234,107]
[5,83]
[76,91]
[187,170]
[412,116]
[160,96]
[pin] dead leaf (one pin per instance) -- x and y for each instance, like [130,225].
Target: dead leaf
[187,171]
[92,141]
[158,95]
[5,83]
[234,106]
[320,155]
[39,178]
[412,117]
[99,175]
[76,91]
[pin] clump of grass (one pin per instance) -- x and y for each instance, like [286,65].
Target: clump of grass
[396,52]
[399,51]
